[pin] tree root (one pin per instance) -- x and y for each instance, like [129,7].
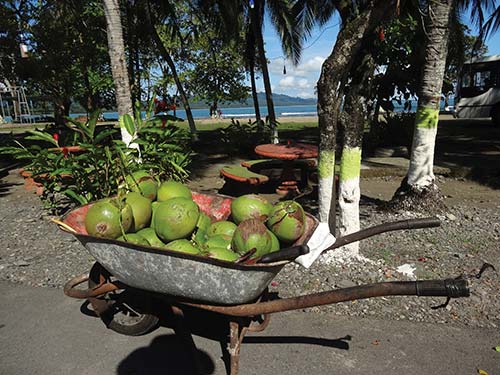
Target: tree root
[428,200]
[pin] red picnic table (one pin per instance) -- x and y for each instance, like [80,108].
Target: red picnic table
[288,152]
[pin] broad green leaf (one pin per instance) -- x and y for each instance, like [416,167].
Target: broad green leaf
[80,127]
[77,197]
[41,136]
[92,123]
[127,122]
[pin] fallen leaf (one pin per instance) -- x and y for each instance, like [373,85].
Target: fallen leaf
[482,372]
[377,342]
[497,348]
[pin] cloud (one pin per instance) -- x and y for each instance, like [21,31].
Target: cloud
[293,82]
[311,66]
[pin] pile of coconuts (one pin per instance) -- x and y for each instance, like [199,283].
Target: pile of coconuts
[165,216]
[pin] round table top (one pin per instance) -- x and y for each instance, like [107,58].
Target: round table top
[286,151]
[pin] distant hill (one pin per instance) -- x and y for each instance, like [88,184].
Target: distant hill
[278,99]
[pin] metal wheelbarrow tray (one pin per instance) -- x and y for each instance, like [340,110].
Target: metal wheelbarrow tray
[193,277]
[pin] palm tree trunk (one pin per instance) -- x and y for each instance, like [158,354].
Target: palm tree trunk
[419,182]
[255,97]
[256,15]
[118,63]
[170,62]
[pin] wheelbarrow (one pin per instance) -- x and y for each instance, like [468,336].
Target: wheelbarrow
[131,286]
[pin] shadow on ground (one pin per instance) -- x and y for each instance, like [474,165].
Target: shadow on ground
[176,353]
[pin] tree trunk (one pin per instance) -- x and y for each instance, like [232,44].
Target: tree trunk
[170,62]
[256,14]
[333,78]
[418,190]
[255,97]
[61,111]
[118,63]
[352,121]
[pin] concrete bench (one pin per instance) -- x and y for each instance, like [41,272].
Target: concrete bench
[244,175]
[258,164]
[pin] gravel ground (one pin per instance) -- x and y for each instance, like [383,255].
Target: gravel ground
[35,252]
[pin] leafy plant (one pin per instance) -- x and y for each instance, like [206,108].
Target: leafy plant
[241,138]
[397,130]
[99,165]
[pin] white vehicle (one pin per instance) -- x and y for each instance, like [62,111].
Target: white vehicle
[478,89]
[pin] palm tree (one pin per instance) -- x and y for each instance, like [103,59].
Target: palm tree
[168,11]
[250,66]
[282,18]
[418,189]
[118,62]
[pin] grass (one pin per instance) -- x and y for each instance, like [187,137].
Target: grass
[202,125]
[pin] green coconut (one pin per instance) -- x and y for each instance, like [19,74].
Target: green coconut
[220,240]
[175,218]
[143,183]
[134,238]
[150,235]
[250,234]
[275,243]
[287,221]
[226,228]
[172,189]
[200,235]
[183,245]
[250,206]
[107,218]
[141,210]
[222,253]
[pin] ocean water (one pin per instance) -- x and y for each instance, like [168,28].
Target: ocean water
[236,113]
[243,113]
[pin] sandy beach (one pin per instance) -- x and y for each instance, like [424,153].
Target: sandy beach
[252,119]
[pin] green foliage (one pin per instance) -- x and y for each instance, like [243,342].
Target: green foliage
[68,56]
[401,52]
[241,138]
[396,130]
[97,169]
[165,151]
[217,74]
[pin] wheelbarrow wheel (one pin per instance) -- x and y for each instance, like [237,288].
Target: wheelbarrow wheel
[124,313]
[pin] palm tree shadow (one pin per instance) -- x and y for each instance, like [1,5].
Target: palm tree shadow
[340,343]
[6,188]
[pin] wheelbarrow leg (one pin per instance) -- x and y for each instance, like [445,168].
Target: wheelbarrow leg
[186,337]
[237,331]
[236,334]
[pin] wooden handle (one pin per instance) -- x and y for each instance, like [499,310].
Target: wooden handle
[64,225]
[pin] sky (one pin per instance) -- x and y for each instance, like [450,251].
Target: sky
[301,80]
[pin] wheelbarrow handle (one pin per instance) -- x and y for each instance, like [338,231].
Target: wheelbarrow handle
[427,222]
[453,288]
[289,253]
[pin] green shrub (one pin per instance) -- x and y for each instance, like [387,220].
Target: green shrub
[104,160]
[396,130]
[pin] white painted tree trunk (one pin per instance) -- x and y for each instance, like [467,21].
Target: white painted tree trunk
[326,189]
[348,197]
[420,175]
[421,172]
